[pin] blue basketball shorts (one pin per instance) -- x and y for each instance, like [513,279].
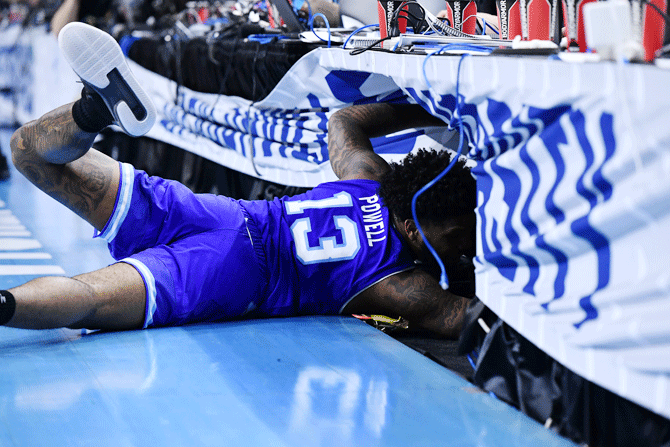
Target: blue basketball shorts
[193,251]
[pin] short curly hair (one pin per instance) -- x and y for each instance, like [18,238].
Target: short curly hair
[454,195]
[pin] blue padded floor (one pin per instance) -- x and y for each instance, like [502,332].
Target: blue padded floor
[329,381]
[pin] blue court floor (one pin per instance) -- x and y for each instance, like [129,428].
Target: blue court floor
[322,381]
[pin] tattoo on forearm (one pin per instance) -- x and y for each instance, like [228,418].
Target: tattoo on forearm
[349,145]
[350,129]
[416,291]
[453,314]
[420,299]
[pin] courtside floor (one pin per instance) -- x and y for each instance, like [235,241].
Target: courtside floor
[330,381]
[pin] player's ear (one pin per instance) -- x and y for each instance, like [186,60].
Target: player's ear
[411,230]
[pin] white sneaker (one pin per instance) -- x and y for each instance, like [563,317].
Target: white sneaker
[98,60]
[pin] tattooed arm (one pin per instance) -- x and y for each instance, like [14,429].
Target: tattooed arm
[53,153]
[350,130]
[416,296]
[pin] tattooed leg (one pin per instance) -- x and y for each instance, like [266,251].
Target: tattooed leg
[55,137]
[55,155]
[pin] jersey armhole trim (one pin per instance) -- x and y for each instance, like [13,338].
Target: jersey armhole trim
[366,288]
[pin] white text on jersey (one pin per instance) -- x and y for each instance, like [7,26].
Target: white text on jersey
[373,220]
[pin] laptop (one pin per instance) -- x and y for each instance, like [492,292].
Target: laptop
[289,16]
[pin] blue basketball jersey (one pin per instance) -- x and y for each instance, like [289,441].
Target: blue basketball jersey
[325,246]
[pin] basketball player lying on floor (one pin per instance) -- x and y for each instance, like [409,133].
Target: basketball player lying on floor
[348,246]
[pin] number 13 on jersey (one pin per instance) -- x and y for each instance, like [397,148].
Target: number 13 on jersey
[328,249]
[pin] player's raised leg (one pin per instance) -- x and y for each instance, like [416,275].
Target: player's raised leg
[54,153]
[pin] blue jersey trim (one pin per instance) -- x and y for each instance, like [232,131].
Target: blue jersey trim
[123,200]
[150,284]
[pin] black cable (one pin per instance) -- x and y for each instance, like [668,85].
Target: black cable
[422,23]
[179,79]
[441,26]
[358,51]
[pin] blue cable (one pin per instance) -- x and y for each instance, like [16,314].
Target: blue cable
[444,281]
[452,46]
[214,20]
[355,32]
[265,38]
[492,28]
[311,26]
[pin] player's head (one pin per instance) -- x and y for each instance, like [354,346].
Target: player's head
[445,211]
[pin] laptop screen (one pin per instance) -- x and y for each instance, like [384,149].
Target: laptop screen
[288,15]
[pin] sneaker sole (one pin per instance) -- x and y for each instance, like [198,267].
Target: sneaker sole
[98,60]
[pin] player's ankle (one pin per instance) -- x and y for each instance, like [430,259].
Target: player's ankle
[90,112]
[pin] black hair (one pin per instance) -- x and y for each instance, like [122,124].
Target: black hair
[454,195]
